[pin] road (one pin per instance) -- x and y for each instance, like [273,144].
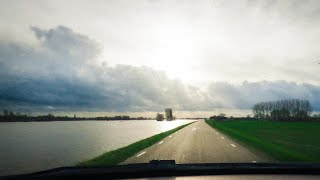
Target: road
[198,143]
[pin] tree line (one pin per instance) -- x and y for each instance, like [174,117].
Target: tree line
[287,109]
[10,116]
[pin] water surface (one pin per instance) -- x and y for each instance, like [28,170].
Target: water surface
[33,146]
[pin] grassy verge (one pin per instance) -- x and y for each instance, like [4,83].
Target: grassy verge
[284,141]
[116,156]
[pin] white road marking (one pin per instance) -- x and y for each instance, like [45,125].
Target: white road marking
[233,145]
[217,133]
[160,142]
[222,137]
[254,161]
[170,136]
[141,154]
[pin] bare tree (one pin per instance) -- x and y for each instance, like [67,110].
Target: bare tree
[288,109]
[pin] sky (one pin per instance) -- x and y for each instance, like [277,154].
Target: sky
[146,55]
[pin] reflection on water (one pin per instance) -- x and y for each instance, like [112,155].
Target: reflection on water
[167,125]
[33,146]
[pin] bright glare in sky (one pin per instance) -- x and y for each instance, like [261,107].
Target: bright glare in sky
[174,50]
[238,39]
[143,55]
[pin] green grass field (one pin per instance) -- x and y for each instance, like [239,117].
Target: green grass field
[284,141]
[120,155]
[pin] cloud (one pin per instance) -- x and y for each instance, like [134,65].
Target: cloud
[60,72]
[66,45]
[268,40]
[57,52]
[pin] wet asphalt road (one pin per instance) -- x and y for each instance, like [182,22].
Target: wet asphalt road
[198,143]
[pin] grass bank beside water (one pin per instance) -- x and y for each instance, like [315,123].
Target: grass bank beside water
[284,141]
[117,156]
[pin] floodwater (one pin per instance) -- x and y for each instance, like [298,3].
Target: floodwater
[34,146]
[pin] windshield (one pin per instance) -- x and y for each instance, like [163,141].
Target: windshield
[96,83]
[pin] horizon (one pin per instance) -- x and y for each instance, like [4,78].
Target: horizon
[150,114]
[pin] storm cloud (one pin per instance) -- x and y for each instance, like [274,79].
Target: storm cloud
[60,71]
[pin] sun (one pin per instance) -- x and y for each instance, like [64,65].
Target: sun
[175,51]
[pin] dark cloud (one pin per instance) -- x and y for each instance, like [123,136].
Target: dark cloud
[65,45]
[58,52]
[60,73]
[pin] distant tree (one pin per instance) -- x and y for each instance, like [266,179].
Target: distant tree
[160,117]
[222,115]
[288,109]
